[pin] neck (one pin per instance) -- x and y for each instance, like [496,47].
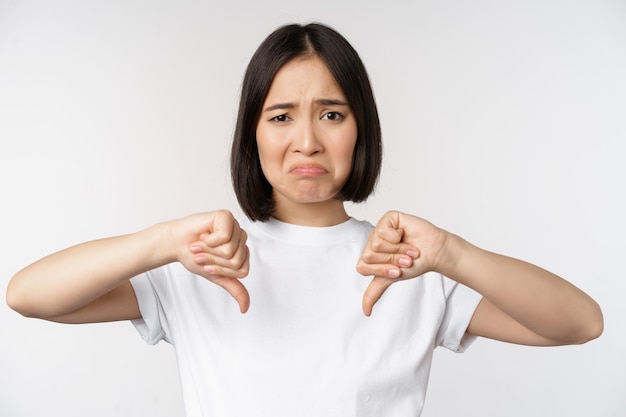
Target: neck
[323,214]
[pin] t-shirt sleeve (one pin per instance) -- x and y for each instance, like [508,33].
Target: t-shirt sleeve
[149,289]
[461,303]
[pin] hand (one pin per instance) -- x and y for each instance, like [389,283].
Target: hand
[213,245]
[400,247]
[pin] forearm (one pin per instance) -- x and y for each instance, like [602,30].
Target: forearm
[67,280]
[537,299]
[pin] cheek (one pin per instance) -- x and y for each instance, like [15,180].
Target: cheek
[262,146]
[346,152]
[347,155]
[263,160]
[269,158]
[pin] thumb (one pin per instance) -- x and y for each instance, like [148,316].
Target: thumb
[236,290]
[374,291]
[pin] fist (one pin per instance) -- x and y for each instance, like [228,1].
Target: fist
[213,245]
[400,247]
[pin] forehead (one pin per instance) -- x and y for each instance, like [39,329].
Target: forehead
[302,77]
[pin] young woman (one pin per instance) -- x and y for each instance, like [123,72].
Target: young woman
[310,343]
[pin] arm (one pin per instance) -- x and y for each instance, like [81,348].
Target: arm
[90,282]
[522,303]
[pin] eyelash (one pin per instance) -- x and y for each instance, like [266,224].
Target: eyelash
[337,115]
[284,117]
[280,118]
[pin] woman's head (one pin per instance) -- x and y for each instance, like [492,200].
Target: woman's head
[253,191]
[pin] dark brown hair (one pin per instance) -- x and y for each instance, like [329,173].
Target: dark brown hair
[252,189]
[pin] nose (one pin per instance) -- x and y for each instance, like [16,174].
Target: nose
[306,138]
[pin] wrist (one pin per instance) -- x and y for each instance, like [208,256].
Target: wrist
[449,258]
[159,241]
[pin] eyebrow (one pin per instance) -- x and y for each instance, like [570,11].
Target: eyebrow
[322,101]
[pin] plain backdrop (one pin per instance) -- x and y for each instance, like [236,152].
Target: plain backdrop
[503,121]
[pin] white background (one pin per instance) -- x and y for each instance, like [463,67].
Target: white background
[503,121]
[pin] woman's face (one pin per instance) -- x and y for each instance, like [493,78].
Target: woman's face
[306,135]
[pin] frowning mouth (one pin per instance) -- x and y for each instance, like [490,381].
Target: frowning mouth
[308,169]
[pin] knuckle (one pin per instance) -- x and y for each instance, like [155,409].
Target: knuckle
[213,274]
[367,257]
[376,245]
[229,251]
[223,213]
[220,235]
[243,271]
[242,267]
[381,272]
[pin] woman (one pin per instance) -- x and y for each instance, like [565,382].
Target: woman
[307,139]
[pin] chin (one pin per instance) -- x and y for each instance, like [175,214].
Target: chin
[320,200]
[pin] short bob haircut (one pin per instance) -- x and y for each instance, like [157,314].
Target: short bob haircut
[252,189]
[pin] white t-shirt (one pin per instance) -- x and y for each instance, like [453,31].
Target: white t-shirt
[304,348]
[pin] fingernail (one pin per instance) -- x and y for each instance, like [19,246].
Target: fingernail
[412,253]
[394,273]
[405,261]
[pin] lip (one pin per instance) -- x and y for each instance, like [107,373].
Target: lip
[308,169]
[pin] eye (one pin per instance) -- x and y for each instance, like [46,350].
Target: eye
[332,115]
[280,118]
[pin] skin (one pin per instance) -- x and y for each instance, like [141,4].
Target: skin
[306,138]
[522,303]
[89,282]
